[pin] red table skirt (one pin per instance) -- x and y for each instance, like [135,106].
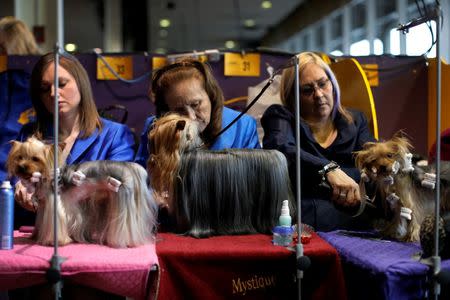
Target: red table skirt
[246,266]
[123,272]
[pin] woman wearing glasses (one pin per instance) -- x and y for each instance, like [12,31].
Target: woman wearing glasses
[329,136]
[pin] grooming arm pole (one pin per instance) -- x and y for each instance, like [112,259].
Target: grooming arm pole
[436,259]
[303,262]
[54,272]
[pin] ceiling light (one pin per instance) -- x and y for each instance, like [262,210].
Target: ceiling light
[160,50]
[163,33]
[266,4]
[249,23]
[230,44]
[70,47]
[164,23]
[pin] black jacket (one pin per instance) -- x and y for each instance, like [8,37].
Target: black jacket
[279,133]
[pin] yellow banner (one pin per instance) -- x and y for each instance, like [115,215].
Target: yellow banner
[371,71]
[237,64]
[158,62]
[122,65]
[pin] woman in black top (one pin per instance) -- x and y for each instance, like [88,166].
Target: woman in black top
[329,136]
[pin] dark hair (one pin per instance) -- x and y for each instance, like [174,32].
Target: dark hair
[234,191]
[89,119]
[164,78]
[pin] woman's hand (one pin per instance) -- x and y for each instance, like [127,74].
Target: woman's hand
[345,189]
[25,197]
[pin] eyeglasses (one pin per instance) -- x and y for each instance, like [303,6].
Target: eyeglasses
[309,89]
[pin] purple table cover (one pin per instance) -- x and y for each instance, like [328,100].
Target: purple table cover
[381,269]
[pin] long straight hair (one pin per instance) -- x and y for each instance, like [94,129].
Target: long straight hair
[231,191]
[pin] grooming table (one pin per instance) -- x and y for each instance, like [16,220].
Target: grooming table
[125,272]
[381,269]
[244,267]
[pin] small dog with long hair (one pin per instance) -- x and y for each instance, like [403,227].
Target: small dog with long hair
[103,202]
[170,137]
[206,192]
[404,191]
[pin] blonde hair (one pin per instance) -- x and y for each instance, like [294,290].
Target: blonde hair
[16,38]
[287,92]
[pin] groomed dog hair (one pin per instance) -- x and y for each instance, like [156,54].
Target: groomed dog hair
[234,191]
[169,138]
[403,194]
[215,192]
[103,202]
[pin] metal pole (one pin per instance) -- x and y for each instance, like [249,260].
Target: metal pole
[53,274]
[436,258]
[299,246]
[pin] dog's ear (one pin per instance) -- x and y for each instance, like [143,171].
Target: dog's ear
[61,146]
[181,124]
[14,143]
[369,145]
[402,143]
[360,157]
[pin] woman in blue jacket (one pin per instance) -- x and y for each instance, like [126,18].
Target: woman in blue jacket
[86,135]
[329,136]
[189,88]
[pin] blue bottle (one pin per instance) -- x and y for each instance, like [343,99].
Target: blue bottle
[6,216]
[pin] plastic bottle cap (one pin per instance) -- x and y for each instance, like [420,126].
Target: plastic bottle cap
[285,208]
[6,185]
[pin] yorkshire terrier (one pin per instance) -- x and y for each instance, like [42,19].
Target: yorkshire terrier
[170,137]
[103,202]
[206,192]
[404,191]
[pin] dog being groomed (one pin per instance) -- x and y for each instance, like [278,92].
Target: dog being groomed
[207,192]
[404,191]
[103,202]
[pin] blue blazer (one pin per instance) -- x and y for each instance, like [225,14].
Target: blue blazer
[242,134]
[114,142]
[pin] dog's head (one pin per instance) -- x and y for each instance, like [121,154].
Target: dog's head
[33,155]
[383,158]
[170,137]
[26,158]
[173,133]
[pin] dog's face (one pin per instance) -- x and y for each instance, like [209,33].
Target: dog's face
[383,158]
[28,157]
[174,133]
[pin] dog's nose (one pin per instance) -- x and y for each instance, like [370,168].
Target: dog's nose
[22,168]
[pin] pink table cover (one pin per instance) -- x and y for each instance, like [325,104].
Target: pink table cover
[123,272]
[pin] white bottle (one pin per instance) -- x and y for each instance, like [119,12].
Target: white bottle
[285,218]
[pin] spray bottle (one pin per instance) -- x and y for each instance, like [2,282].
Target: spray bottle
[285,217]
[282,234]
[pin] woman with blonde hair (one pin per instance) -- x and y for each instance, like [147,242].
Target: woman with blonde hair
[16,38]
[330,134]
